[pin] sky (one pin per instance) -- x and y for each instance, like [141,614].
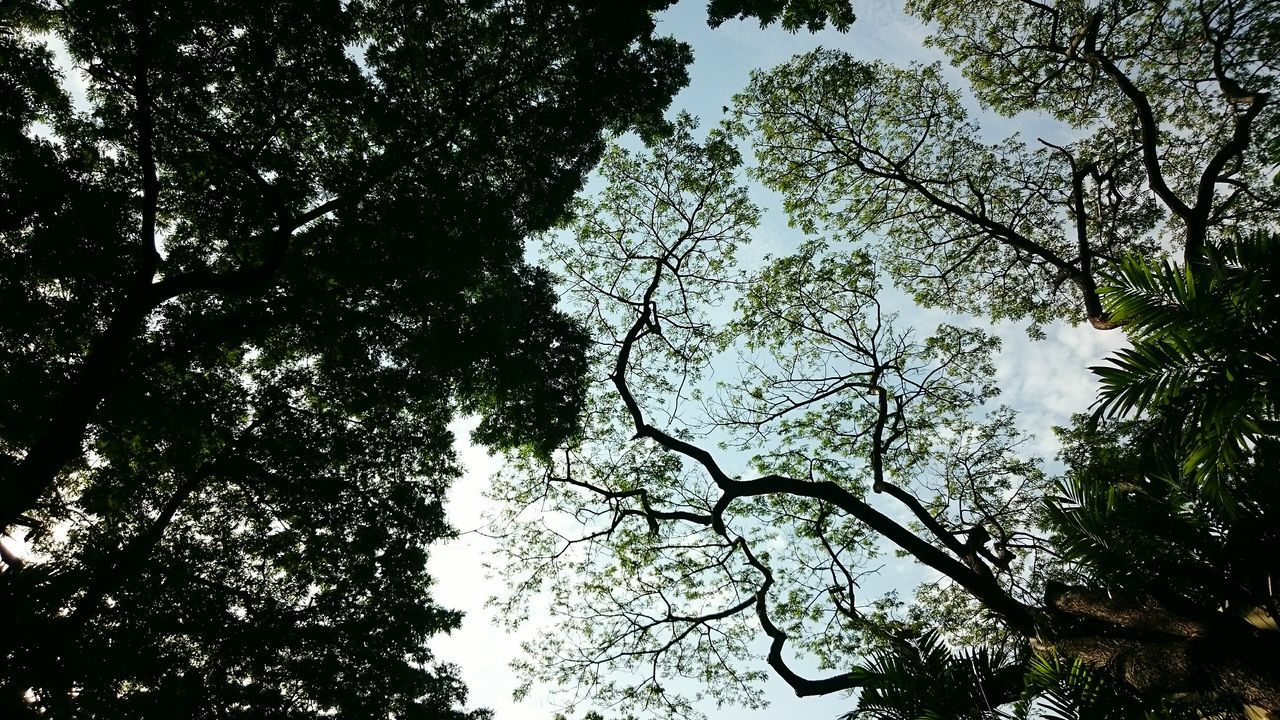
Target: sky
[723,60]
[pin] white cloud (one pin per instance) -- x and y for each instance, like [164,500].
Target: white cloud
[1049,380]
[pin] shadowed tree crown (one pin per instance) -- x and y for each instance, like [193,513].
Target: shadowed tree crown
[254,257]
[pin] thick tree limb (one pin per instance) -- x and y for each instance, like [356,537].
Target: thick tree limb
[1162,650]
[984,588]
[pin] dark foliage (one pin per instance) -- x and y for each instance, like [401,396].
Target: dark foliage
[813,15]
[246,283]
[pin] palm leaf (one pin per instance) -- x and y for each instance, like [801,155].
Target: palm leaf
[1206,346]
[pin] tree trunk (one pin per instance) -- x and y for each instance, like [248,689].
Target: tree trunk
[1161,650]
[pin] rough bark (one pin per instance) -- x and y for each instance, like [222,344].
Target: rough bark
[1162,650]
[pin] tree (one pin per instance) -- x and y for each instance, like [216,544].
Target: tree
[1174,507]
[1173,145]
[667,558]
[670,529]
[248,278]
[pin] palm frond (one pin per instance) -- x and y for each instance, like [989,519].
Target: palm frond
[1206,348]
[923,679]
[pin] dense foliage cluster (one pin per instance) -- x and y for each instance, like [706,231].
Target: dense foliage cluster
[250,271]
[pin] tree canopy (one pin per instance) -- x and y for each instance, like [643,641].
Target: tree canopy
[249,275]
[762,442]
[1174,144]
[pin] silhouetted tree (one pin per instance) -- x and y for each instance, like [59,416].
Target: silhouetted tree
[249,274]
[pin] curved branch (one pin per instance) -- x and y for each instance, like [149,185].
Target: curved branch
[804,687]
[1147,123]
[984,588]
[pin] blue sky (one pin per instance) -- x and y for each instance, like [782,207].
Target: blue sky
[724,58]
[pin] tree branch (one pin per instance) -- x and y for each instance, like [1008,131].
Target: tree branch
[1147,123]
[129,559]
[1083,278]
[984,588]
[804,687]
